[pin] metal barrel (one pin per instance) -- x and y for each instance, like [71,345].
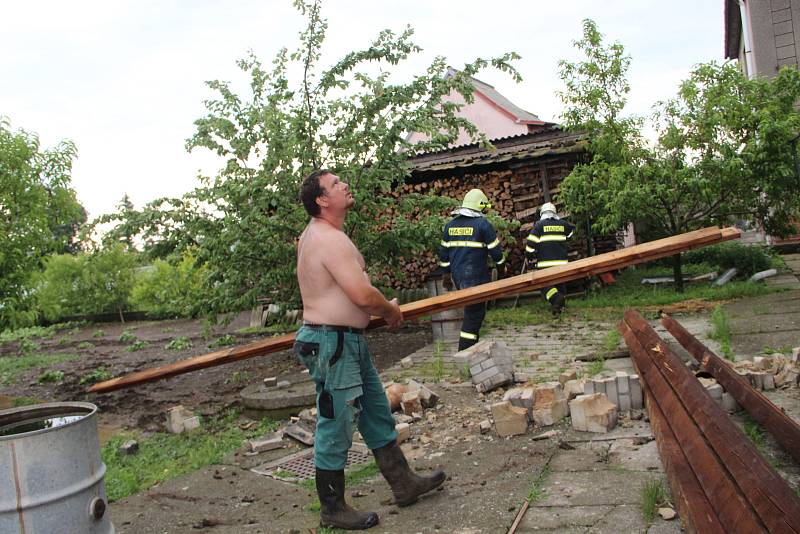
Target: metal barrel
[51,472]
[447,324]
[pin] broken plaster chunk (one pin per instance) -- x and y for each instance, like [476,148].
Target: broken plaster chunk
[666,513]
[407,362]
[177,418]
[593,413]
[509,420]
[768,382]
[573,388]
[300,432]
[729,404]
[566,376]
[403,432]
[282,384]
[271,381]
[427,397]
[129,448]
[550,414]
[485,426]
[265,443]
[411,403]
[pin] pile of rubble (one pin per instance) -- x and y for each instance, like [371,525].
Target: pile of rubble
[771,372]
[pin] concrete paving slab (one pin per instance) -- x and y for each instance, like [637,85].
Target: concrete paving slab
[628,454]
[591,488]
[562,518]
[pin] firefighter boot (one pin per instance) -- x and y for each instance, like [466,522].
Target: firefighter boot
[406,485]
[557,304]
[334,511]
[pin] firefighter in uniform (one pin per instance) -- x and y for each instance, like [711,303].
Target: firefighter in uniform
[546,246]
[468,239]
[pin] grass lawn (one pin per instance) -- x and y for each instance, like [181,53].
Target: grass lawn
[165,456]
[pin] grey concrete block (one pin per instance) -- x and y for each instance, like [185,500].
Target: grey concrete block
[611,390]
[716,393]
[637,402]
[623,387]
[484,375]
[588,387]
[599,386]
[624,401]
[729,404]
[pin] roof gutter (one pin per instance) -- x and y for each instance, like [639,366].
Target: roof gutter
[747,34]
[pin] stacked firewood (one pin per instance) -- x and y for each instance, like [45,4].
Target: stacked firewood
[516,194]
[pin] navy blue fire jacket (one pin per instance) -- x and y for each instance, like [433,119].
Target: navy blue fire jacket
[466,243]
[547,241]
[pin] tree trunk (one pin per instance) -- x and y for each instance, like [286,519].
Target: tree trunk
[121,316]
[677,272]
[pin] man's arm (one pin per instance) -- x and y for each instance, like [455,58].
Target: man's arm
[341,260]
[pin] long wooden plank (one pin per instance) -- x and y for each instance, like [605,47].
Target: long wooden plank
[783,428]
[765,490]
[734,512]
[693,506]
[455,299]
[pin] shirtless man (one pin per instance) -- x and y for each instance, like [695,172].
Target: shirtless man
[338,300]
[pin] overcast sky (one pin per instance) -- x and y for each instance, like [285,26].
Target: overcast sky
[125,79]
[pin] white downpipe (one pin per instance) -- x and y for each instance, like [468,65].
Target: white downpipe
[747,34]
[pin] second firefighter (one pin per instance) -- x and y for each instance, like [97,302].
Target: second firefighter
[547,247]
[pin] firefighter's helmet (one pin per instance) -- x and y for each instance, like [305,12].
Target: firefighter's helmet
[547,207]
[476,200]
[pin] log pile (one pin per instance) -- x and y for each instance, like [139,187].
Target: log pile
[455,299]
[516,194]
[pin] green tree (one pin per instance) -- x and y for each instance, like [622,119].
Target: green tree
[86,283]
[167,290]
[723,150]
[352,117]
[39,215]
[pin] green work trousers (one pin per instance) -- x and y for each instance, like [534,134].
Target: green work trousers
[349,394]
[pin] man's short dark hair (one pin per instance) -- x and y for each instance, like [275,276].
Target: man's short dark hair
[311,189]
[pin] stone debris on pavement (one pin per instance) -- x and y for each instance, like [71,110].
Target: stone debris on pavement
[593,413]
[566,376]
[403,432]
[179,420]
[394,394]
[300,432]
[729,404]
[407,362]
[427,397]
[573,388]
[265,443]
[550,405]
[129,448]
[623,390]
[490,364]
[271,381]
[485,426]
[521,398]
[509,420]
[309,417]
[411,403]
[283,384]
[666,513]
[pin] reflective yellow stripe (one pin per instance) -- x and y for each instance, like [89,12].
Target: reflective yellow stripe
[532,238]
[502,260]
[570,234]
[444,264]
[467,335]
[468,244]
[444,243]
[530,249]
[550,293]
[552,238]
[550,263]
[493,244]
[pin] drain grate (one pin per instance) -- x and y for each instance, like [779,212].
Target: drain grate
[300,466]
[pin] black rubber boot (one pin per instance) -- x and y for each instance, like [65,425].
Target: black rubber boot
[406,485]
[333,510]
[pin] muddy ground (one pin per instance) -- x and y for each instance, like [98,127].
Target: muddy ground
[207,391]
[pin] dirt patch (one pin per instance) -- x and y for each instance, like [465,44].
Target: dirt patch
[207,391]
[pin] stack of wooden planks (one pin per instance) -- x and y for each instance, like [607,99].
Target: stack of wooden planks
[583,268]
[719,481]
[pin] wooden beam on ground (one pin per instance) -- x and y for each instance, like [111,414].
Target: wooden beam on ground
[734,512]
[756,482]
[693,506]
[783,428]
[510,286]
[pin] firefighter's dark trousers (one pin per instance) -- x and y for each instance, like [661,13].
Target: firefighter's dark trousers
[473,315]
[556,297]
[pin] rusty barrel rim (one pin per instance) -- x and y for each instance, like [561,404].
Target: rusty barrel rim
[33,412]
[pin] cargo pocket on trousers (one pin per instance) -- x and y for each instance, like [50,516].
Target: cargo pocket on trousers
[306,352]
